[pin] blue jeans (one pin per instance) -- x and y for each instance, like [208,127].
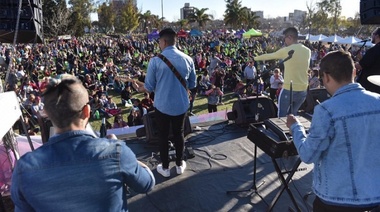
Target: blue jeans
[284,102]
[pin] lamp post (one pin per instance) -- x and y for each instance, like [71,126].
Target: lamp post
[268,27]
[309,28]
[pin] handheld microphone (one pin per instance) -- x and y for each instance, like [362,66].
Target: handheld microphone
[290,55]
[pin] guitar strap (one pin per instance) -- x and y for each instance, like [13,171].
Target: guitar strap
[173,69]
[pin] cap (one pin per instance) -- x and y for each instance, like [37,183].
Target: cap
[167,31]
[374,79]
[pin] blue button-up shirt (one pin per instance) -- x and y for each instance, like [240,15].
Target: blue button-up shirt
[170,97]
[75,171]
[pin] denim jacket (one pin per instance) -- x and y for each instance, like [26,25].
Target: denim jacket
[75,171]
[344,145]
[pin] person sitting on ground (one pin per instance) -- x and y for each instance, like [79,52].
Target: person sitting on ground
[126,96]
[119,122]
[136,114]
[75,170]
[147,102]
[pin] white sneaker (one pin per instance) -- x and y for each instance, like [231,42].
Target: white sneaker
[181,169]
[162,171]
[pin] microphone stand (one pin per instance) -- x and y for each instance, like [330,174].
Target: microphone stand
[254,188]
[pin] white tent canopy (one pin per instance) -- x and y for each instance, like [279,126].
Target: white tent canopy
[315,38]
[349,40]
[332,39]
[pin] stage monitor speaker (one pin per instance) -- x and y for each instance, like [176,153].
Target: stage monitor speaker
[30,26]
[370,12]
[151,131]
[313,98]
[244,110]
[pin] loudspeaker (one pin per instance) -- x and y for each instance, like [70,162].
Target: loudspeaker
[30,26]
[314,97]
[245,110]
[151,130]
[370,12]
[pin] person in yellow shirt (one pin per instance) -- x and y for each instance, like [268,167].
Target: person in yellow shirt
[296,66]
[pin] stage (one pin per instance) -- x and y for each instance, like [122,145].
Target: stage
[223,161]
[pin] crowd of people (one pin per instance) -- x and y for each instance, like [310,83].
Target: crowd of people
[100,62]
[73,79]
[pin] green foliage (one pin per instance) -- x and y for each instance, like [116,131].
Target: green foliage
[80,18]
[200,17]
[106,17]
[129,19]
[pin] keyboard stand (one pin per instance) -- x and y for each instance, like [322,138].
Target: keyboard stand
[285,183]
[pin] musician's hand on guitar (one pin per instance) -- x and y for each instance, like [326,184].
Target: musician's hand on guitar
[290,120]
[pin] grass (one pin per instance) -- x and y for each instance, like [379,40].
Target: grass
[200,106]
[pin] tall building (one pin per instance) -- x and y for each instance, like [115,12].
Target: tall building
[186,11]
[297,16]
[259,13]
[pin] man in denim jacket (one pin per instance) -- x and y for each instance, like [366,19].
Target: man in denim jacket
[343,140]
[74,170]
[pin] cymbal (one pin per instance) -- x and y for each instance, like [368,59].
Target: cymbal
[375,79]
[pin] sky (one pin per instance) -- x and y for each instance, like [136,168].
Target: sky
[271,8]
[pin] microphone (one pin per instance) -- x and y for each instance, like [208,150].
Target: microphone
[290,55]
[363,41]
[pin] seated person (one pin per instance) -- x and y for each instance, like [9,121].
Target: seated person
[118,85]
[98,105]
[147,102]
[111,107]
[136,114]
[119,122]
[126,96]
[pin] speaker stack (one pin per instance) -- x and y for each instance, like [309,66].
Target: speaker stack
[30,24]
[370,12]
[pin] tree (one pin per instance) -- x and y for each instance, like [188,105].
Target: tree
[80,18]
[200,17]
[249,18]
[233,13]
[106,17]
[58,23]
[54,13]
[129,19]
[182,23]
[333,9]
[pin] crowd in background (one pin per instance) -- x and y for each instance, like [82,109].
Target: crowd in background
[223,62]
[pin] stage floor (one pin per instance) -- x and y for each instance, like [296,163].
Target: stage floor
[223,161]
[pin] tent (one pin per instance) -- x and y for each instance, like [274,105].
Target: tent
[349,40]
[195,32]
[182,33]
[154,35]
[332,39]
[252,33]
[315,38]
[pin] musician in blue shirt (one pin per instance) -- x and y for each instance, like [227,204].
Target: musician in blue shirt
[343,140]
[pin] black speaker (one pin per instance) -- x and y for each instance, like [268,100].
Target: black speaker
[370,12]
[30,25]
[245,110]
[314,97]
[151,131]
